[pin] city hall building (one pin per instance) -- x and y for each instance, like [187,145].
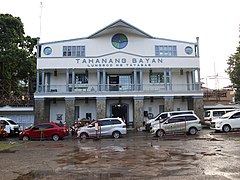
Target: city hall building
[119,71]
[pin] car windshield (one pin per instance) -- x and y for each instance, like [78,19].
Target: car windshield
[60,124]
[11,122]
[225,116]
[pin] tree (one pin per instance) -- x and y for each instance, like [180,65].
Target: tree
[233,71]
[17,58]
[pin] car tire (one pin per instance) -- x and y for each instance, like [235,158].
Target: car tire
[226,128]
[160,133]
[116,134]
[55,137]
[192,131]
[25,138]
[83,135]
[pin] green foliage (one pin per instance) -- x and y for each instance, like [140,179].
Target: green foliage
[17,57]
[233,71]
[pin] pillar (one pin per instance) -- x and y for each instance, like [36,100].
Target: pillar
[104,80]
[101,107]
[135,79]
[141,79]
[37,81]
[168,103]
[138,112]
[67,80]
[198,106]
[69,110]
[39,111]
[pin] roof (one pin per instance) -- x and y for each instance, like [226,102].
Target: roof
[112,27]
[117,24]
[9,108]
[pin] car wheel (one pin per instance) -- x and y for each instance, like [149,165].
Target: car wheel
[25,138]
[192,131]
[55,137]
[226,128]
[116,134]
[84,136]
[160,133]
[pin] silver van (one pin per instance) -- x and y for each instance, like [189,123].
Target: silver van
[164,115]
[188,123]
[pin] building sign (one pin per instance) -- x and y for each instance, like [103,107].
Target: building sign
[119,62]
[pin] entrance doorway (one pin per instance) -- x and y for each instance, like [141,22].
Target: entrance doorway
[120,110]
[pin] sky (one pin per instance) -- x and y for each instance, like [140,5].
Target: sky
[215,22]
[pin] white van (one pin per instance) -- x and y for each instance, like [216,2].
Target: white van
[10,126]
[227,122]
[164,115]
[214,114]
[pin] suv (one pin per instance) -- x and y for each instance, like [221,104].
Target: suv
[48,130]
[227,122]
[114,127]
[189,123]
[10,126]
[164,115]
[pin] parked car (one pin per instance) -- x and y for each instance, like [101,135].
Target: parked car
[10,126]
[48,130]
[188,123]
[164,115]
[214,114]
[114,127]
[227,122]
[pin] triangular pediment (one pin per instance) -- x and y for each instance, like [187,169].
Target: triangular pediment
[120,25]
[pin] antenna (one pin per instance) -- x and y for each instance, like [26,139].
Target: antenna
[216,77]
[40,19]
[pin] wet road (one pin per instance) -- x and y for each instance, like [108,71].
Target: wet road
[137,156]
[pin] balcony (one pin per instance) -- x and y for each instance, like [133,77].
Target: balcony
[84,90]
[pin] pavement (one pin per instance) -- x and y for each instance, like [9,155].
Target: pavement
[138,155]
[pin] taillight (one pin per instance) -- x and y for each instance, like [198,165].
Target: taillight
[124,126]
[210,119]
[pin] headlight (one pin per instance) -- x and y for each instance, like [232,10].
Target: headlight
[220,122]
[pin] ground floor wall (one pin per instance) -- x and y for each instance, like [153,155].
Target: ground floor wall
[133,110]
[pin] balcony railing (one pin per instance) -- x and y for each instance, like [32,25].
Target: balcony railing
[94,88]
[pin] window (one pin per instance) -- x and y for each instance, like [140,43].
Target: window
[114,121]
[81,78]
[74,51]
[166,50]
[157,77]
[236,115]
[105,123]
[190,118]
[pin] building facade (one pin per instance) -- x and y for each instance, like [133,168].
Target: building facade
[119,71]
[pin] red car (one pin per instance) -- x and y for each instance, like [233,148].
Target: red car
[48,130]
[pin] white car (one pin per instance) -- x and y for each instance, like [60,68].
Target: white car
[188,123]
[114,127]
[227,122]
[10,126]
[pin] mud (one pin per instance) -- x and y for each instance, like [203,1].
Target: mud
[137,156]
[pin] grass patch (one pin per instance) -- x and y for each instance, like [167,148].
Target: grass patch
[6,145]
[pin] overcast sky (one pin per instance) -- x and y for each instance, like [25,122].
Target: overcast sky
[215,22]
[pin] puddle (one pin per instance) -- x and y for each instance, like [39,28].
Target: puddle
[8,151]
[36,175]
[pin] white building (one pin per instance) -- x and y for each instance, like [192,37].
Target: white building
[117,71]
